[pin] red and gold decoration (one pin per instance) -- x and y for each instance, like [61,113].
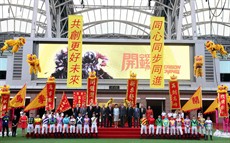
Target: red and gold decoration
[19,99]
[174,93]
[198,63]
[34,63]
[64,104]
[195,102]
[223,100]
[5,97]
[157,52]
[39,101]
[74,76]
[51,88]
[132,87]
[92,88]
[16,44]
[214,48]
[79,97]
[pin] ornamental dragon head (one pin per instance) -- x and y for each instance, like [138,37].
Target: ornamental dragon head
[222,89]
[132,75]
[51,79]
[5,89]
[173,78]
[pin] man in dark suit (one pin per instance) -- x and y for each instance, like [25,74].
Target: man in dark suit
[142,111]
[97,109]
[103,115]
[76,111]
[136,115]
[90,113]
[109,115]
[122,115]
[130,115]
[83,110]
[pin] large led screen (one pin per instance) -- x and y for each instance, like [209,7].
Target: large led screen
[114,61]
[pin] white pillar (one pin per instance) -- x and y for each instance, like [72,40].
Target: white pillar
[179,21]
[34,19]
[48,19]
[193,19]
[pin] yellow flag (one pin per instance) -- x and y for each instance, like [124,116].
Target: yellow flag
[195,102]
[19,99]
[212,107]
[39,101]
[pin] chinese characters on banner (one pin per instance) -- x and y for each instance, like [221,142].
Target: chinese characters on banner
[157,52]
[131,93]
[51,88]
[174,94]
[5,102]
[64,104]
[79,97]
[223,104]
[74,76]
[92,90]
[19,99]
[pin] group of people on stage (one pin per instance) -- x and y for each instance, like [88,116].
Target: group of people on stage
[171,124]
[85,121]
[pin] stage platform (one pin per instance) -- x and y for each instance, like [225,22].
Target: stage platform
[122,133]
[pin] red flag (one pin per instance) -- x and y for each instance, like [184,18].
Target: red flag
[174,93]
[131,93]
[223,105]
[79,97]
[64,104]
[92,89]
[51,87]
[5,102]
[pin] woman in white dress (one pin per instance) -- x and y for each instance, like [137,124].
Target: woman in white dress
[116,115]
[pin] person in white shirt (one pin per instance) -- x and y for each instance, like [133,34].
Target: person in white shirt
[94,125]
[79,121]
[72,123]
[116,115]
[208,126]
[170,115]
[179,126]
[163,115]
[86,126]
[175,115]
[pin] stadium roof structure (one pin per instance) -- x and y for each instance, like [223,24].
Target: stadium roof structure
[184,19]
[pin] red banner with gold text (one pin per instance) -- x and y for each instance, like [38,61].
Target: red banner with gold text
[64,104]
[92,90]
[174,94]
[131,93]
[51,88]
[5,102]
[223,105]
[79,97]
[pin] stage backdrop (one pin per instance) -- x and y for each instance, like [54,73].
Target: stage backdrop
[114,61]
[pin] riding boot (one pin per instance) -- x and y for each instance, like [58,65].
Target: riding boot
[211,137]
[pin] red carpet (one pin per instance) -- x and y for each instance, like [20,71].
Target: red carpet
[118,132]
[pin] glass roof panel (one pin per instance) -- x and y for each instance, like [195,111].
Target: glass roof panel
[209,13]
